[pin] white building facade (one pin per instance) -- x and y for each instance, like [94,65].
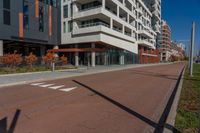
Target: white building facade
[121,27]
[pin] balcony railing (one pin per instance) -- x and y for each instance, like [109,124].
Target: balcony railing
[90,8]
[94,24]
[117,29]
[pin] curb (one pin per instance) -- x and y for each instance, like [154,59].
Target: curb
[170,122]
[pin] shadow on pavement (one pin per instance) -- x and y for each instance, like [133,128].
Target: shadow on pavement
[3,123]
[159,127]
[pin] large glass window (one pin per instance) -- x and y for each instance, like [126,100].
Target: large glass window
[65,11]
[50,2]
[64,27]
[69,26]
[41,19]
[6,17]
[6,12]
[26,14]
[6,4]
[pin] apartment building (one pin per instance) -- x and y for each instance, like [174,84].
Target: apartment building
[28,26]
[155,8]
[89,32]
[169,48]
[120,29]
[165,42]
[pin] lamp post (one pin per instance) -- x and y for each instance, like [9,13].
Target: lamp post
[192,48]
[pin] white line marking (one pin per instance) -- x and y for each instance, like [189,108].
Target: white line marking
[68,89]
[46,85]
[56,87]
[35,84]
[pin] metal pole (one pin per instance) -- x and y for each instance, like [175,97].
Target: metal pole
[189,48]
[192,49]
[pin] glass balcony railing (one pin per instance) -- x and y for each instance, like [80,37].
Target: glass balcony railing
[117,29]
[90,8]
[94,24]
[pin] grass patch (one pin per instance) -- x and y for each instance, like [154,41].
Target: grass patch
[187,119]
[25,69]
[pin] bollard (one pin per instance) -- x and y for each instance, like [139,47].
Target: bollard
[53,66]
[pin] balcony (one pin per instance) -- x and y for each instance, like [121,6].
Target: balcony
[145,33]
[146,43]
[94,24]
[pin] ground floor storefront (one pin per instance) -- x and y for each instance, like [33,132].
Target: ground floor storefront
[87,54]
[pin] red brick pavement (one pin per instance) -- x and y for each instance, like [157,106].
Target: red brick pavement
[126,101]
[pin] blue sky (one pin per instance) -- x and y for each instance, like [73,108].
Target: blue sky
[179,14]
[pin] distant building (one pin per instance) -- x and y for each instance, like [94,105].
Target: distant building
[167,47]
[165,42]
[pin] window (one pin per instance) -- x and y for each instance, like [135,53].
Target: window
[26,14]
[71,9]
[6,16]
[6,4]
[41,19]
[64,27]
[65,11]
[6,12]
[69,26]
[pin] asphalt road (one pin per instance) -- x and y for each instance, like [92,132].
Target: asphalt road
[125,101]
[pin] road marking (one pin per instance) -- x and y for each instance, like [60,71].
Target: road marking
[68,89]
[35,84]
[56,87]
[46,85]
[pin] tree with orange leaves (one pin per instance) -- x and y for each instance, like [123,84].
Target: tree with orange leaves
[30,59]
[48,58]
[11,60]
[63,60]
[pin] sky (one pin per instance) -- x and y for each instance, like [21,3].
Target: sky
[179,14]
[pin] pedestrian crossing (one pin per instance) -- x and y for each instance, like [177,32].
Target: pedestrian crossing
[53,86]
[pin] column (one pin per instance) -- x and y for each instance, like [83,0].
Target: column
[117,11]
[121,59]
[105,59]
[111,23]
[123,29]
[93,59]
[1,48]
[103,3]
[76,57]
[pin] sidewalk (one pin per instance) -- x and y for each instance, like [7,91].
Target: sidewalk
[23,78]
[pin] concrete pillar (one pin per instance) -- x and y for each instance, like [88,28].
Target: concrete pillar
[93,58]
[105,59]
[117,11]
[1,47]
[111,23]
[121,59]
[123,29]
[103,3]
[76,57]
[75,8]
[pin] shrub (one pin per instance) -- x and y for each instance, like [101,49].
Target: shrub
[11,60]
[63,60]
[48,58]
[30,59]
